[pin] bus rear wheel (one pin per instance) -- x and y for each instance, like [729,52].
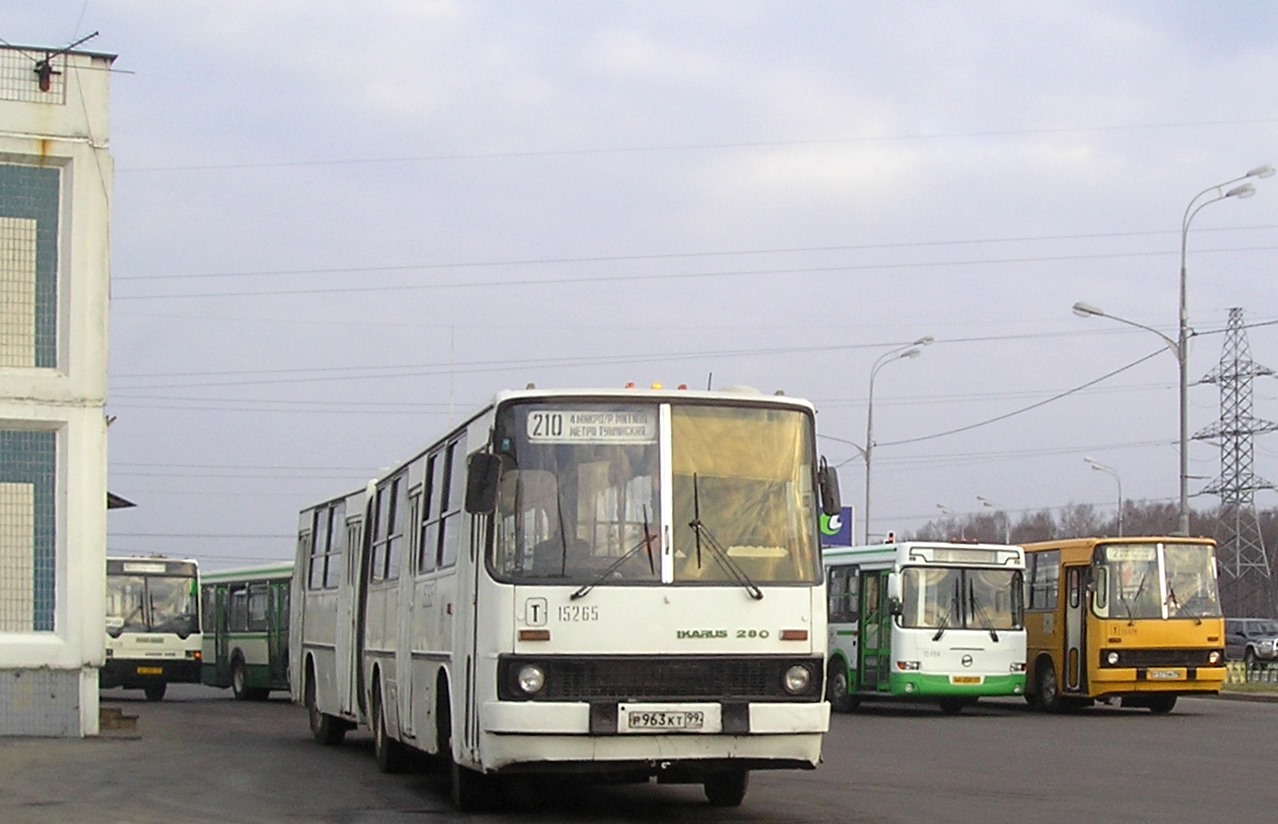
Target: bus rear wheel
[325,729]
[727,789]
[837,685]
[391,755]
[239,680]
[155,692]
[1049,695]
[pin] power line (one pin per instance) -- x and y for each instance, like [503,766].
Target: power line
[685,147]
[860,247]
[630,277]
[1024,409]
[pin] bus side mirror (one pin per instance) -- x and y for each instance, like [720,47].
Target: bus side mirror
[482,473]
[894,606]
[894,586]
[828,480]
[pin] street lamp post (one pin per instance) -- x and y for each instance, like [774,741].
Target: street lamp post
[1180,347]
[949,513]
[1007,522]
[1100,467]
[911,350]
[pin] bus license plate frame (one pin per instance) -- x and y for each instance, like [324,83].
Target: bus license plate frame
[1164,674]
[649,720]
[150,670]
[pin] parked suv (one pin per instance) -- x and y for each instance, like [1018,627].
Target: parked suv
[1254,641]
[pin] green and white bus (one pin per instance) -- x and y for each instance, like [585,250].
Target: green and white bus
[920,620]
[152,624]
[246,621]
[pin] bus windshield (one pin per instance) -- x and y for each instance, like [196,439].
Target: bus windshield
[1156,581]
[744,504]
[578,493]
[581,489]
[942,598]
[151,603]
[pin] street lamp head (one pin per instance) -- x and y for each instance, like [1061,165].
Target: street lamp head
[911,353]
[1242,192]
[923,341]
[1261,172]
[1086,310]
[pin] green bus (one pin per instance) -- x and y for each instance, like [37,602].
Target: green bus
[246,619]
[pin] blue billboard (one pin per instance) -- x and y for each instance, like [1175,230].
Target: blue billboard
[836,530]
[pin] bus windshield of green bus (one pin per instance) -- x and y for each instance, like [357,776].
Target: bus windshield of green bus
[151,603]
[579,499]
[941,598]
[1156,581]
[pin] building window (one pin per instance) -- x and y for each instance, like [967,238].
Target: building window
[28,546]
[29,198]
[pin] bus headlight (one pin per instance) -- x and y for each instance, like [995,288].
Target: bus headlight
[531,679]
[797,679]
[1111,658]
[1213,657]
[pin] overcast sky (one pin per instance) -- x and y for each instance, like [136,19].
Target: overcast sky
[337,226]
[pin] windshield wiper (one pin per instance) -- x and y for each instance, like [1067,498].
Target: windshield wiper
[721,556]
[644,542]
[945,619]
[978,610]
[1131,619]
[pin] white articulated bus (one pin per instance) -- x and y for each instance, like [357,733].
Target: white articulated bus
[623,584]
[152,624]
[942,622]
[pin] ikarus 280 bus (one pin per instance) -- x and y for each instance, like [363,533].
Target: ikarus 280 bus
[920,620]
[622,584]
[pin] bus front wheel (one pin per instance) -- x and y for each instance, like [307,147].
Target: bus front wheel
[1162,704]
[1049,695]
[727,789]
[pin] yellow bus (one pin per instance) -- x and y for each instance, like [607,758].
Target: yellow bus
[1135,619]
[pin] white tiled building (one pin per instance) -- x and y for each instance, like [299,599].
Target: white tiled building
[55,200]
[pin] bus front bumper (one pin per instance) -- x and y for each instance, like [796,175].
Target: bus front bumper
[135,673]
[1128,680]
[751,736]
[966,686]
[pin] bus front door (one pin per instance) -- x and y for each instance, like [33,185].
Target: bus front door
[1074,676]
[277,636]
[221,643]
[875,632]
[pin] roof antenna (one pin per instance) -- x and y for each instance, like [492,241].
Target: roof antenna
[44,68]
[710,382]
